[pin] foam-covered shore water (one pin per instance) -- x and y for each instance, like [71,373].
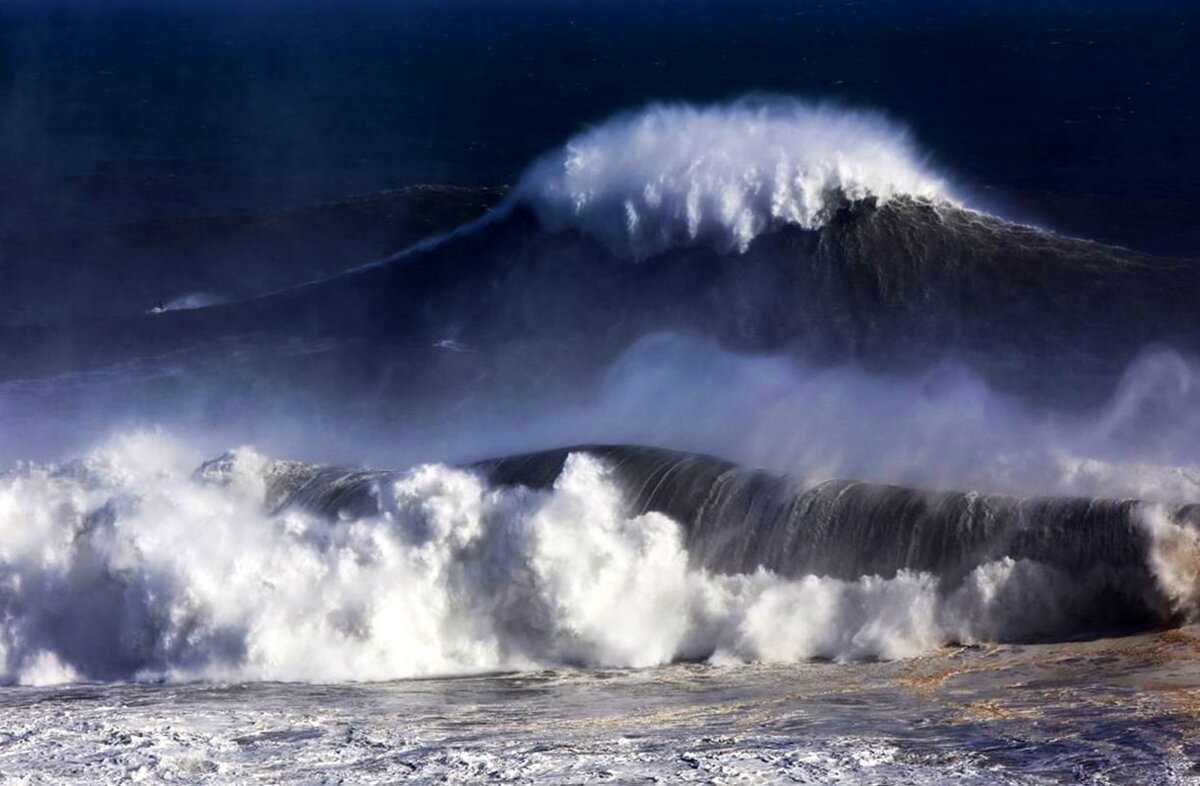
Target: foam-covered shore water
[1118,711]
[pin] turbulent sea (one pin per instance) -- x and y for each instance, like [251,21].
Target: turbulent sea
[734,441]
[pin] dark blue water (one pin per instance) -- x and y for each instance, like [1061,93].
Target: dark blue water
[1081,117]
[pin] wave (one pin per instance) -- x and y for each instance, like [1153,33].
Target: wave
[893,288]
[770,227]
[1117,562]
[673,175]
[129,565]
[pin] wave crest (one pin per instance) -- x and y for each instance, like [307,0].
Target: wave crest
[721,175]
[129,565]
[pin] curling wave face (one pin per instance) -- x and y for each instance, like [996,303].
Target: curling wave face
[128,564]
[675,175]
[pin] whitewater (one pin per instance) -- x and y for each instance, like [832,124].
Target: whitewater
[124,565]
[164,621]
[676,174]
[725,421]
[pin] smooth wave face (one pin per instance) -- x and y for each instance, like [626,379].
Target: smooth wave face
[676,175]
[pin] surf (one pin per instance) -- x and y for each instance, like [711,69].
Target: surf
[768,226]
[132,563]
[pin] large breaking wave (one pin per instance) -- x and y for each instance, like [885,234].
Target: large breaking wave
[770,227]
[673,175]
[123,566]
[129,565]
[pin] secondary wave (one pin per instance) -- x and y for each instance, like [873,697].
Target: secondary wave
[127,565]
[676,174]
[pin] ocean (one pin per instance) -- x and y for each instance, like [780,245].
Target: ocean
[573,392]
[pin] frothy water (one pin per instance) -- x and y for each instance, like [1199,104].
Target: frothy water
[127,565]
[721,175]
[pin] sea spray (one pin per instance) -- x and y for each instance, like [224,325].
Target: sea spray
[721,175]
[126,565]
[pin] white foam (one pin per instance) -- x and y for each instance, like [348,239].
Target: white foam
[123,565]
[1174,561]
[721,175]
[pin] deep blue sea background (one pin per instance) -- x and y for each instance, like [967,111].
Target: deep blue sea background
[1082,117]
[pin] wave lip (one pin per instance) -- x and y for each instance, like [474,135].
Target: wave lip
[721,175]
